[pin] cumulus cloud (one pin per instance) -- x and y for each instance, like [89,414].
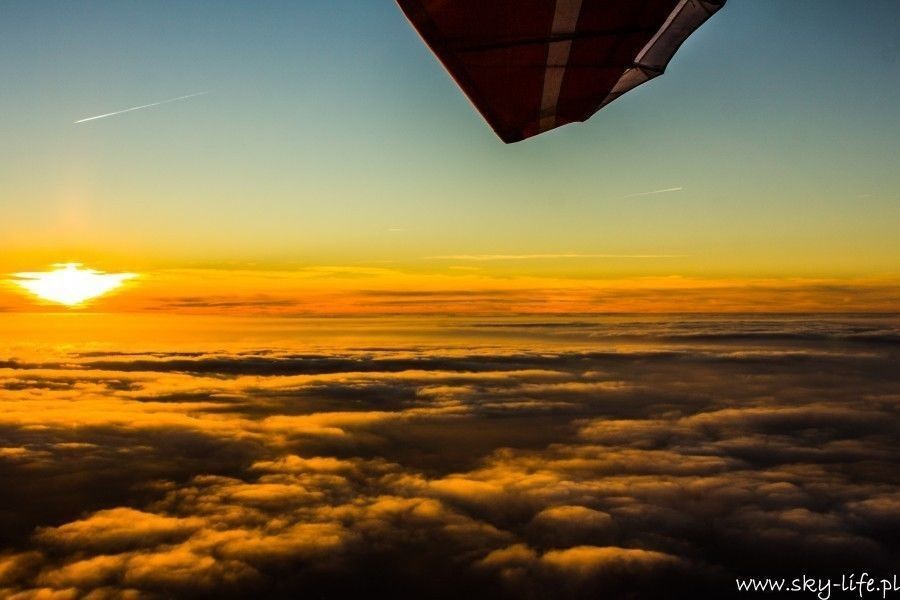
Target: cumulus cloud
[117,529]
[547,461]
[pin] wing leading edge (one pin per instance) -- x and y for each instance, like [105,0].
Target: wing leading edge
[530,66]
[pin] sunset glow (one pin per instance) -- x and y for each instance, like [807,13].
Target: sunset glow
[282,315]
[70,283]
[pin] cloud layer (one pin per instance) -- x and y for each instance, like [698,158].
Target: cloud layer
[578,458]
[479,284]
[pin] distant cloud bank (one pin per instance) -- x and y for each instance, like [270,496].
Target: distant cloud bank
[564,458]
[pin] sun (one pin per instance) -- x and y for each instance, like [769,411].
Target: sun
[70,284]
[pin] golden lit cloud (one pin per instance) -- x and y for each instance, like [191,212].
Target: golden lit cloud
[557,457]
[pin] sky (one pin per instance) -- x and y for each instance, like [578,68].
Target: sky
[331,136]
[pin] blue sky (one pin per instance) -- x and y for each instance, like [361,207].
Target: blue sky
[331,134]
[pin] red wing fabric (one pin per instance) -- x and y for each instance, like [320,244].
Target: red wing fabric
[533,65]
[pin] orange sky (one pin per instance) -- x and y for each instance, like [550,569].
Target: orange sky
[385,291]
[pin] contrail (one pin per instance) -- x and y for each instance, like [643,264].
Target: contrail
[488,257]
[119,112]
[674,189]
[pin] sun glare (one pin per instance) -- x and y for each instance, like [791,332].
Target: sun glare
[70,284]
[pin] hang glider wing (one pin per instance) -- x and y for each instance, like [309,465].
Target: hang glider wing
[530,66]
